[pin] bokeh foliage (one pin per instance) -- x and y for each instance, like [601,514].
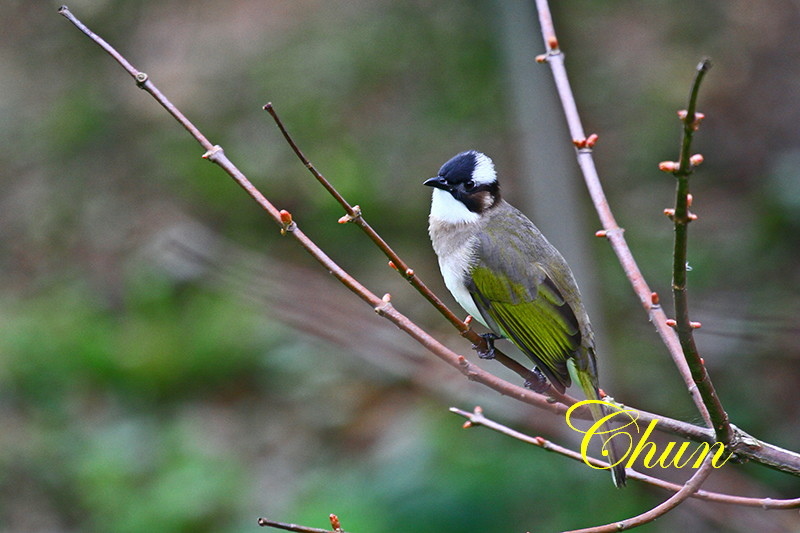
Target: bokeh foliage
[135,397]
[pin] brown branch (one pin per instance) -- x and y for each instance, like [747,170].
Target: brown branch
[611,230]
[769,455]
[477,418]
[381,305]
[691,486]
[762,452]
[355,215]
[266,522]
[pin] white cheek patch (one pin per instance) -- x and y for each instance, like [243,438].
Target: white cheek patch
[447,209]
[484,169]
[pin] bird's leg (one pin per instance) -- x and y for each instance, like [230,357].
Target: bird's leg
[537,382]
[488,353]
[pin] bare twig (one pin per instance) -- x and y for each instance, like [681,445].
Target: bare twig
[762,452]
[288,226]
[681,216]
[266,522]
[477,418]
[355,215]
[649,300]
[691,486]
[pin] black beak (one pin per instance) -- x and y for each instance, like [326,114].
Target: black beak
[438,182]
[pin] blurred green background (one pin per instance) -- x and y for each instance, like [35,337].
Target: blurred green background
[170,363]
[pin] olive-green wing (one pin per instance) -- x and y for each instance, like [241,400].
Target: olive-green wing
[528,308]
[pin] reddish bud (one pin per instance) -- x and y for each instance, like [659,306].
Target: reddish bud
[668,166]
[696,159]
[335,522]
[345,219]
[467,424]
[671,322]
[689,200]
[468,320]
[552,42]
[391,264]
[591,140]
[669,212]
[539,441]
[695,325]
[601,233]
[286,217]
[409,272]
[579,143]
[541,58]
[692,216]
[387,298]
[654,299]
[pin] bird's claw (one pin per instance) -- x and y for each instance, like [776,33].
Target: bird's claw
[537,382]
[488,353]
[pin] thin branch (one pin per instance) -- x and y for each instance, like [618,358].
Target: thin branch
[355,215]
[266,522]
[681,216]
[649,300]
[477,418]
[691,486]
[284,219]
[770,455]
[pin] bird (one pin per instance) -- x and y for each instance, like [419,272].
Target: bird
[503,271]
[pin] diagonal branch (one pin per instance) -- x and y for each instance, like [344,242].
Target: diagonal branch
[381,305]
[689,488]
[763,453]
[649,300]
[477,418]
[355,215]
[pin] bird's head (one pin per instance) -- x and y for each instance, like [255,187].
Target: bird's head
[465,187]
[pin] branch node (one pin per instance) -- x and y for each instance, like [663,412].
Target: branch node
[695,122]
[215,151]
[141,78]
[350,217]
[586,143]
[385,306]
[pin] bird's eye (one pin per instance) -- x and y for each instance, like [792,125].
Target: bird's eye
[469,185]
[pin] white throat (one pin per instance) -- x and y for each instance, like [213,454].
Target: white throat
[445,208]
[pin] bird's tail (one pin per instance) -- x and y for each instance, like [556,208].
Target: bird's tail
[610,447]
